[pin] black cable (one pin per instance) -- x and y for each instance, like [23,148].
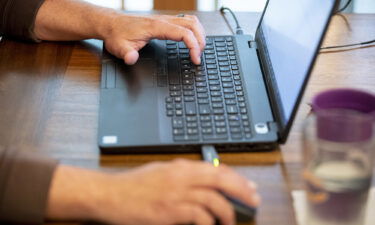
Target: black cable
[349,45]
[344,7]
[238,27]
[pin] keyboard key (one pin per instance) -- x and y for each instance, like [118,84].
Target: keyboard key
[214,82]
[204,109]
[224,63]
[177,99]
[178,131]
[210,56]
[211,61]
[217,105]
[224,68]
[191,118]
[207,130]
[170,106]
[228,90]
[190,108]
[170,113]
[202,95]
[209,51]
[219,39]
[168,100]
[215,93]
[217,99]
[220,124]
[212,71]
[222,54]
[230,102]
[221,130]
[220,44]
[227,84]
[218,111]
[179,112]
[213,77]
[211,66]
[201,84]
[219,118]
[206,124]
[222,58]
[192,125]
[205,118]
[233,118]
[202,89]
[178,106]
[235,130]
[230,96]
[174,87]
[215,88]
[188,87]
[225,74]
[189,93]
[175,93]
[200,79]
[237,83]
[178,122]
[234,124]
[232,109]
[203,101]
[189,99]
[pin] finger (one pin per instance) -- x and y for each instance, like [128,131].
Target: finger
[192,214]
[192,23]
[168,31]
[213,202]
[124,50]
[220,178]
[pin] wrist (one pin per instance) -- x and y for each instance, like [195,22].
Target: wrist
[76,194]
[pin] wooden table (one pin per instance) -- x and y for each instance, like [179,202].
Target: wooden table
[49,94]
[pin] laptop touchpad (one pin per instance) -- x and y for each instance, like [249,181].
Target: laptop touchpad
[141,75]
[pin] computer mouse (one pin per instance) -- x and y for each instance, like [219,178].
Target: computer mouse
[244,212]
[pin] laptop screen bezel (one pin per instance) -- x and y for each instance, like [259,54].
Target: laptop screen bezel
[284,125]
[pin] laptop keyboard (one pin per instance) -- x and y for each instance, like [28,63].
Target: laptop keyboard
[206,102]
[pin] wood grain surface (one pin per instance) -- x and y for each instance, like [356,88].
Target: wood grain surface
[49,96]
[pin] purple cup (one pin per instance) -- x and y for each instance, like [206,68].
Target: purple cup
[344,115]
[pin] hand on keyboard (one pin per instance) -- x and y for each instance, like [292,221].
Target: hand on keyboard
[128,34]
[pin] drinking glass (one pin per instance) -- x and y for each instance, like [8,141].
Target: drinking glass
[338,160]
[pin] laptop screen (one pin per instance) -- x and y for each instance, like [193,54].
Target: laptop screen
[291,32]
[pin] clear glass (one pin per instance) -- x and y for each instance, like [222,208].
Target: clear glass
[337,168]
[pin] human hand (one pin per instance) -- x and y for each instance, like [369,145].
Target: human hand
[127,34]
[177,192]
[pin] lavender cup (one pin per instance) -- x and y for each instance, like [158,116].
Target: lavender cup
[344,115]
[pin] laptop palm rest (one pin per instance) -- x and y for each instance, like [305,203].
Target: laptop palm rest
[130,107]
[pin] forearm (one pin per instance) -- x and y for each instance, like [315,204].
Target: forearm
[76,194]
[72,20]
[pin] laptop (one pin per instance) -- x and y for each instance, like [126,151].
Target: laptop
[243,97]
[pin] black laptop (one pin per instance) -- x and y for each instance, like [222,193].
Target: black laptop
[243,96]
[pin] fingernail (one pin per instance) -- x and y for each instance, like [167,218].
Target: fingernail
[252,185]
